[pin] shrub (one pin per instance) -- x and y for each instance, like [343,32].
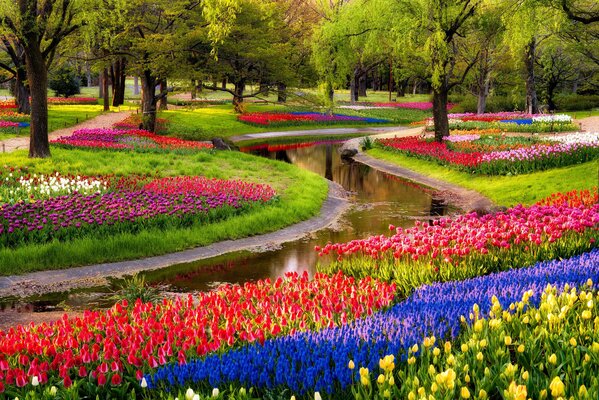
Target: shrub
[65,82]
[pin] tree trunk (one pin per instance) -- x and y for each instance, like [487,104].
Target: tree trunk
[37,76]
[362,85]
[353,86]
[118,76]
[194,89]
[88,74]
[105,89]
[401,88]
[550,97]
[163,95]
[532,103]
[148,100]
[22,91]
[281,93]
[483,92]
[101,85]
[415,88]
[135,85]
[440,113]
[224,83]
[238,96]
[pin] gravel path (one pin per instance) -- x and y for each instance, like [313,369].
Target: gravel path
[105,120]
[589,124]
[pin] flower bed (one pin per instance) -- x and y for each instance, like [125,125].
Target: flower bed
[160,204]
[574,138]
[116,347]
[116,139]
[18,187]
[469,244]
[300,118]
[8,124]
[72,100]
[13,116]
[514,156]
[8,105]
[509,122]
[531,352]
[308,361]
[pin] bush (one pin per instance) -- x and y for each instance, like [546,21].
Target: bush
[65,82]
[468,103]
[574,102]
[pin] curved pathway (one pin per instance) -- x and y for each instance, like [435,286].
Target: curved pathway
[316,132]
[95,275]
[105,120]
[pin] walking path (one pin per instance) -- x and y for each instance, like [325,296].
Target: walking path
[96,275]
[316,132]
[105,120]
[589,124]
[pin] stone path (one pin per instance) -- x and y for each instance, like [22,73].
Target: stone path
[63,280]
[105,120]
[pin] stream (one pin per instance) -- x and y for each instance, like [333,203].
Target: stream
[378,199]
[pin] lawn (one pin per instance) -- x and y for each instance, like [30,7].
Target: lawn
[504,190]
[301,195]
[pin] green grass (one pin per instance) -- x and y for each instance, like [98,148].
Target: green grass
[221,121]
[301,196]
[582,114]
[504,190]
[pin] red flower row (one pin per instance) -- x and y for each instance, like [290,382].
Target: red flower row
[131,339]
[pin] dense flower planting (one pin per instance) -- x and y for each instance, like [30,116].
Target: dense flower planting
[72,100]
[308,361]
[13,116]
[17,187]
[509,121]
[8,105]
[299,118]
[579,137]
[549,351]
[117,139]
[8,124]
[508,156]
[162,203]
[116,347]
[469,244]
[575,198]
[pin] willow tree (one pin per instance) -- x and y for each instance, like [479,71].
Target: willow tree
[40,27]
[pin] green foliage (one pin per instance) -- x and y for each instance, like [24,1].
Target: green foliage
[574,102]
[65,82]
[134,288]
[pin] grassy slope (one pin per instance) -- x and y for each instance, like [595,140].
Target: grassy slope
[504,190]
[301,196]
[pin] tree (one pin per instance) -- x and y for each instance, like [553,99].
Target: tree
[558,68]
[16,67]
[254,51]
[40,27]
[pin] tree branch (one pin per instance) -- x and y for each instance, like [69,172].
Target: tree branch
[584,17]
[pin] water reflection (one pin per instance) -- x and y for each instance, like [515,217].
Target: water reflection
[380,199]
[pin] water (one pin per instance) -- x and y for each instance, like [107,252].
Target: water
[378,199]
